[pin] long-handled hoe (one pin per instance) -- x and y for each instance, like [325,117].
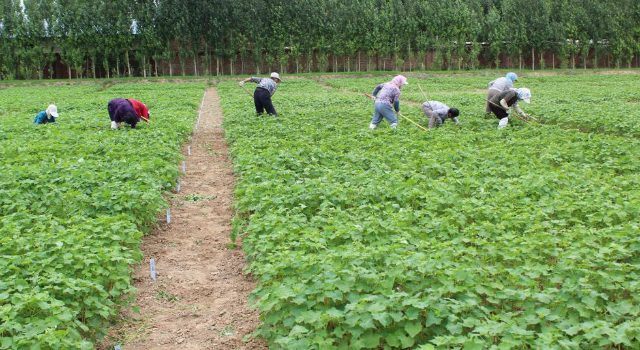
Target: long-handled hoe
[247,91]
[402,115]
[425,96]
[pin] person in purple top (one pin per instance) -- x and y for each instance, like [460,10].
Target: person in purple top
[387,99]
[121,110]
[262,95]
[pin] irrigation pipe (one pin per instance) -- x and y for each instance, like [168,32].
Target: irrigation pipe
[402,115]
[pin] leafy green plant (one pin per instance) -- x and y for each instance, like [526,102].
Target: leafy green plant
[464,237]
[75,199]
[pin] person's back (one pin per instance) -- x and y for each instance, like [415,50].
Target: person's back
[47,116]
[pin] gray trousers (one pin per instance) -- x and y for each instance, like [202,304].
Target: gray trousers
[434,119]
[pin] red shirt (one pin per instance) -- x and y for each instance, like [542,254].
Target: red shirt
[141,110]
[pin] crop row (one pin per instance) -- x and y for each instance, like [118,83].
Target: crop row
[592,103]
[463,237]
[75,198]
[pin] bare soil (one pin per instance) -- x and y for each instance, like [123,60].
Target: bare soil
[200,299]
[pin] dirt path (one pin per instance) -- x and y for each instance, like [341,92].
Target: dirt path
[200,299]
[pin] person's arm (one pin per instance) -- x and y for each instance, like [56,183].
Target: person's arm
[145,110]
[376,90]
[256,80]
[506,98]
[517,108]
[395,100]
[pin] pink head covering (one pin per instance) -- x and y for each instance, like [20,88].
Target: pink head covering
[399,80]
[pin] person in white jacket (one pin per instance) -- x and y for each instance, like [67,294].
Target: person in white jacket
[438,113]
[499,85]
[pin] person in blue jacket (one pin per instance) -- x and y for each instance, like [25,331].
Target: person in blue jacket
[121,110]
[47,116]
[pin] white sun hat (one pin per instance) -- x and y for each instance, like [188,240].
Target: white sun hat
[524,94]
[52,110]
[276,76]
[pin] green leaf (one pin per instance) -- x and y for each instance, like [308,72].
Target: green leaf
[413,328]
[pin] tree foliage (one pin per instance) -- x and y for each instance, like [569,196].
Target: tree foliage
[198,36]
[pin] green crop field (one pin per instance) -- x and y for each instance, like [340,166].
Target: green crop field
[458,238]
[463,237]
[75,198]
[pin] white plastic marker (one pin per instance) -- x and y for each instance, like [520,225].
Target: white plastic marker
[189,150]
[168,215]
[152,266]
[178,185]
[200,110]
[184,166]
[117,347]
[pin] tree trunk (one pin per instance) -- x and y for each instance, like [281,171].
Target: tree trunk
[358,61]
[542,60]
[126,55]
[520,60]
[533,59]
[195,64]
[553,60]
[69,68]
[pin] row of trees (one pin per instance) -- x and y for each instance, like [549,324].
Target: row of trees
[129,37]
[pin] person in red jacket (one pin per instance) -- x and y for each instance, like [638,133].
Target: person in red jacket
[141,109]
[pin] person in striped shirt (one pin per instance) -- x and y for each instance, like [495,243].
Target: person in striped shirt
[262,95]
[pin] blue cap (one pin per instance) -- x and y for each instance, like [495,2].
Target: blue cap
[512,77]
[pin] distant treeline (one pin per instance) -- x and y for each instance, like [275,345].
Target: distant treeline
[140,37]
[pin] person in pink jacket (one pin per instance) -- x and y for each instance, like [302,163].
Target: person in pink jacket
[387,100]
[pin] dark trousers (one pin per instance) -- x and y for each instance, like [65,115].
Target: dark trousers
[262,100]
[499,112]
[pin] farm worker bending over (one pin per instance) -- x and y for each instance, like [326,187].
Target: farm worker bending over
[387,99]
[262,95]
[141,109]
[499,85]
[500,104]
[48,116]
[121,110]
[438,113]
